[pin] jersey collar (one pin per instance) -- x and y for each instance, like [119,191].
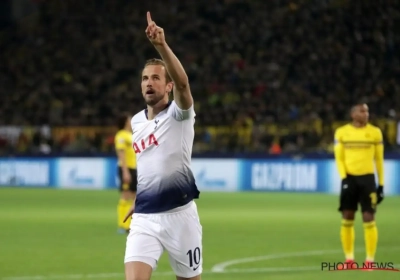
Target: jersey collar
[146,111]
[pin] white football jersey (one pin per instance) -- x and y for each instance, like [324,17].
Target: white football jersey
[163,148]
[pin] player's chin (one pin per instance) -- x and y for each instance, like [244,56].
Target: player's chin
[151,100]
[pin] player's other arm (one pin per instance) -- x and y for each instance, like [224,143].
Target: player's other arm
[182,95]
[120,148]
[379,158]
[122,159]
[339,154]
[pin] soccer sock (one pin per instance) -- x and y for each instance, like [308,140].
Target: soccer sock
[128,205]
[347,238]
[371,239]
[121,212]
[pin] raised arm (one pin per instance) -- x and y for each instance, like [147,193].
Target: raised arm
[182,95]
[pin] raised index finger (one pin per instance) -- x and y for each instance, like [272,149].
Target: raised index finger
[149,20]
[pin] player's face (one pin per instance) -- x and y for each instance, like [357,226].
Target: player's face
[361,113]
[154,84]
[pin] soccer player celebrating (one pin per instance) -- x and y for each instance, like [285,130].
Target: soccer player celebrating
[126,170]
[357,146]
[165,214]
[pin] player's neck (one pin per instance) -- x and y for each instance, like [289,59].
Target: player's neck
[359,125]
[153,111]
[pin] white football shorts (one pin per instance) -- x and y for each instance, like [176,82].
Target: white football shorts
[177,231]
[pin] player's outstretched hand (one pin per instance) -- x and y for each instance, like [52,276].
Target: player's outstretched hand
[130,213]
[154,33]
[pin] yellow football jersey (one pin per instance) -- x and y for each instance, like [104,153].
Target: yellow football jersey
[123,141]
[357,150]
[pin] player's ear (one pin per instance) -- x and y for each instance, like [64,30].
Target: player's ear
[170,86]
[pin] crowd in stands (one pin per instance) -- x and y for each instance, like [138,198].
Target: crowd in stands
[267,76]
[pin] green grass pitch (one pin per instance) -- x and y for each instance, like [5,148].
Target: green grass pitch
[50,234]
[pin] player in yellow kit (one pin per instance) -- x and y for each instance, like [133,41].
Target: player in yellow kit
[358,151]
[126,170]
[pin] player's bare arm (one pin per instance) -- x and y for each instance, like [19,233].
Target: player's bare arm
[339,155]
[379,163]
[182,95]
[125,171]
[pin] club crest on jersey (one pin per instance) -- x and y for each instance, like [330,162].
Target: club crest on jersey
[144,144]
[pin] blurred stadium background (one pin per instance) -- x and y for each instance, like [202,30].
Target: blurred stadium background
[271,79]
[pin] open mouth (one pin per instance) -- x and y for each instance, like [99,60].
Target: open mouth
[150,91]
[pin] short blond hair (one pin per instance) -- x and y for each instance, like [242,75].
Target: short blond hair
[157,61]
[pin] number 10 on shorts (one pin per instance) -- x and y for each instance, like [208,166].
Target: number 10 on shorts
[194,258]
